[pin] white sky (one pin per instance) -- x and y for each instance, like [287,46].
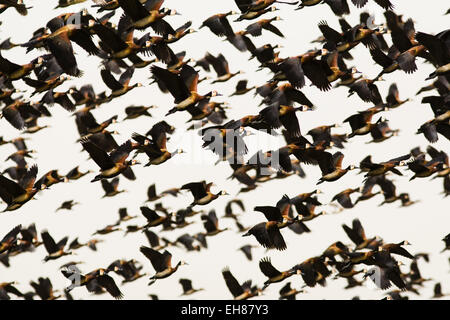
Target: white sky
[423,224]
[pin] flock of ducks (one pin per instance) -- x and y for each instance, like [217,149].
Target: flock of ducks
[121,53]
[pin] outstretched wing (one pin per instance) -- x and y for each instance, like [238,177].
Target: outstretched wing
[100,157]
[267,268]
[108,283]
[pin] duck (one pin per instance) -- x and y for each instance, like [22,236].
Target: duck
[67,205]
[116,46]
[337,68]
[284,115]
[392,99]
[218,138]
[423,168]
[108,229]
[188,242]
[207,111]
[75,174]
[241,88]
[124,216]
[99,277]
[334,249]
[155,149]
[17,112]
[438,50]
[151,193]
[61,98]
[143,17]
[313,270]
[441,71]
[67,3]
[431,128]
[9,240]
[120,87]
[250,15]
[322,135]
[180,32]
[331,166]
[307,211]
[380,131]
[161,262]
[14,194]
[156,242]
[128,269]
[344,199]
[376,169]
[20,7]
[111,188]
[220,65]
[357,235]
[360,122]
[60,46]
[396,248]
[9,288]
[367,90]
[29,238]
[54,250]
[44,289]
[288,293]
[153,219]
[185,94]
[239,292]
[442,157]
[134,112]
[110,165]
[437,291]
[255,29]
[45,85]
[109,5]
[366,189]
[218,24]
[49,179]
[294,69]
[75,244]
[272,273]
[187,287]
[386,271]
[229,212]
[211,223]
[307,3]
[247,250]
[13,71]
[279,213]
[201,192]
[268,235]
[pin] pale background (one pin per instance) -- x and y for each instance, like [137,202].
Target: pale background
[423,224]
